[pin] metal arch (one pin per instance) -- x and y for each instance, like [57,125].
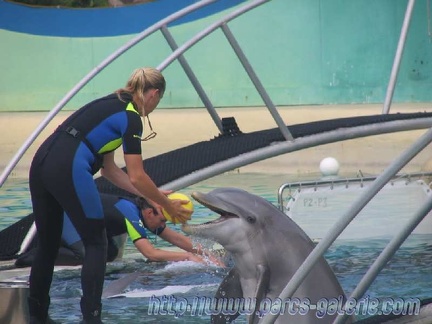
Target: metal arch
[348,216]
[193,79]
[161,25]
[222,23]
[257,83]
[398,57]
[90,76]
[385,256]
[207,31]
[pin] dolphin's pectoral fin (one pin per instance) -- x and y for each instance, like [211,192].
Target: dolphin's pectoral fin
[118,286]
[230,287]
[261,291]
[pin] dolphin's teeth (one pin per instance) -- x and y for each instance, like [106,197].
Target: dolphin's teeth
[188,228]
[227,215]
[217,220]
[224,215]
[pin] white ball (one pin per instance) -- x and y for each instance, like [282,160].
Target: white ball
[329,166]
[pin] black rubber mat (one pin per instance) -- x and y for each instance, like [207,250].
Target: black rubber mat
[175,164]
[12,237]
[172,165]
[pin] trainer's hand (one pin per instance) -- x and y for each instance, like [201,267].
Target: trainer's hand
[208,256]
[213,259]
[166,192]
[195,258]
[178,212]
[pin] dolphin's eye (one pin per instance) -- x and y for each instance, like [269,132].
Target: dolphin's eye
[250,219]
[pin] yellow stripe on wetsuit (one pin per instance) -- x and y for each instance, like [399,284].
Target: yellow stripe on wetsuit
[133,233]
[113,145]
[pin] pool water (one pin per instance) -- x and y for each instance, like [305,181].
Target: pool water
[408,274]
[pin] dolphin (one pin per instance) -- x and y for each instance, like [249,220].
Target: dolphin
[267,248]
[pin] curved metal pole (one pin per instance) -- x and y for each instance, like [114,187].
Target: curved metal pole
[398,57]
[347,217]
[208,31]
[90,76]
[194,80]
[257,83]
[387,254]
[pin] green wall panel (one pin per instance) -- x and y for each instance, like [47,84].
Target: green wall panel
[303,51]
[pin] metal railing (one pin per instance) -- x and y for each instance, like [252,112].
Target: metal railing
[349,215]
[338,181]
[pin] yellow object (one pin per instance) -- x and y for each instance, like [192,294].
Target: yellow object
[179,196]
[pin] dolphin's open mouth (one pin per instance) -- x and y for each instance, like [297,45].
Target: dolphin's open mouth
[213,205]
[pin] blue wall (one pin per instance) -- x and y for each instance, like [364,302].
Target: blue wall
[102,22]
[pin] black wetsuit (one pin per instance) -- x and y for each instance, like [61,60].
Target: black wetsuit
[61,180]
[122,216]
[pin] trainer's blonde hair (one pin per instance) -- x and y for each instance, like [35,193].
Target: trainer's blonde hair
[139,82]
